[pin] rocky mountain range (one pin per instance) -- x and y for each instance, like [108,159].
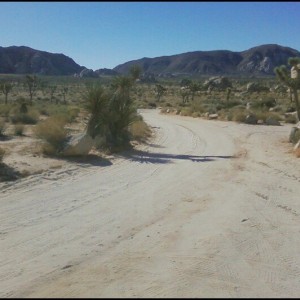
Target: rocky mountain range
[257,61]
[25,60]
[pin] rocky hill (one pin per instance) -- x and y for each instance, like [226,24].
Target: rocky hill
[259,61]
[25,60]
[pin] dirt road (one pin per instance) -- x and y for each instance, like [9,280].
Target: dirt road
[207,209]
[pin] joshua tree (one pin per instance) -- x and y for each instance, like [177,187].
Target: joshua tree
[185,93]
[6,87]
[194,87]
[135,72]
[293,81]
[52,89]
[31,82]
[159,91]
[228,92]
[64,93]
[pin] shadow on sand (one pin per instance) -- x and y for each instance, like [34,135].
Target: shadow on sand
[88,160]
[162,158]
[8,173]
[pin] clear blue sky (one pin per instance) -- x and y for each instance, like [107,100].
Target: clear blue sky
[104,34]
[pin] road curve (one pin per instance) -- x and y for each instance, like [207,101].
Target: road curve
[206,209]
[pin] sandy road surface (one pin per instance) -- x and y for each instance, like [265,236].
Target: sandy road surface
[207,209]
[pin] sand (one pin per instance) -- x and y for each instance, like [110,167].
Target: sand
[204,209]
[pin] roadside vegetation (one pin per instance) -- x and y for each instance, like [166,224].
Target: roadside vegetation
[51,109]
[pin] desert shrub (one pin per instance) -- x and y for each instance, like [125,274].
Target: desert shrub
[19,129]
[31,117]
[5,109]
[2,154]
[239,116]
[152,105]
[230,104]
[2,127]
[186,111]
[297,136]
[52,131]
[197,107]
[229,116]
[291,119]
[73,113]
[43,109]
[264,115]
[139,130]
[196,114]
[264,103]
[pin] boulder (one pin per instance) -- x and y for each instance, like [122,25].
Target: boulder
[87,73]
[272,121]
[212,116]
[79,144]
[251,119]
[294,135]
[217,83]
[256,87]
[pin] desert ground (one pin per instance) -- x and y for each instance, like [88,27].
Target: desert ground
[205,208]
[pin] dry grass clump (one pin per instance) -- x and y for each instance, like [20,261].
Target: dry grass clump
[186,111]
[139,130]
[239,116]
[54,134]
[264,115]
